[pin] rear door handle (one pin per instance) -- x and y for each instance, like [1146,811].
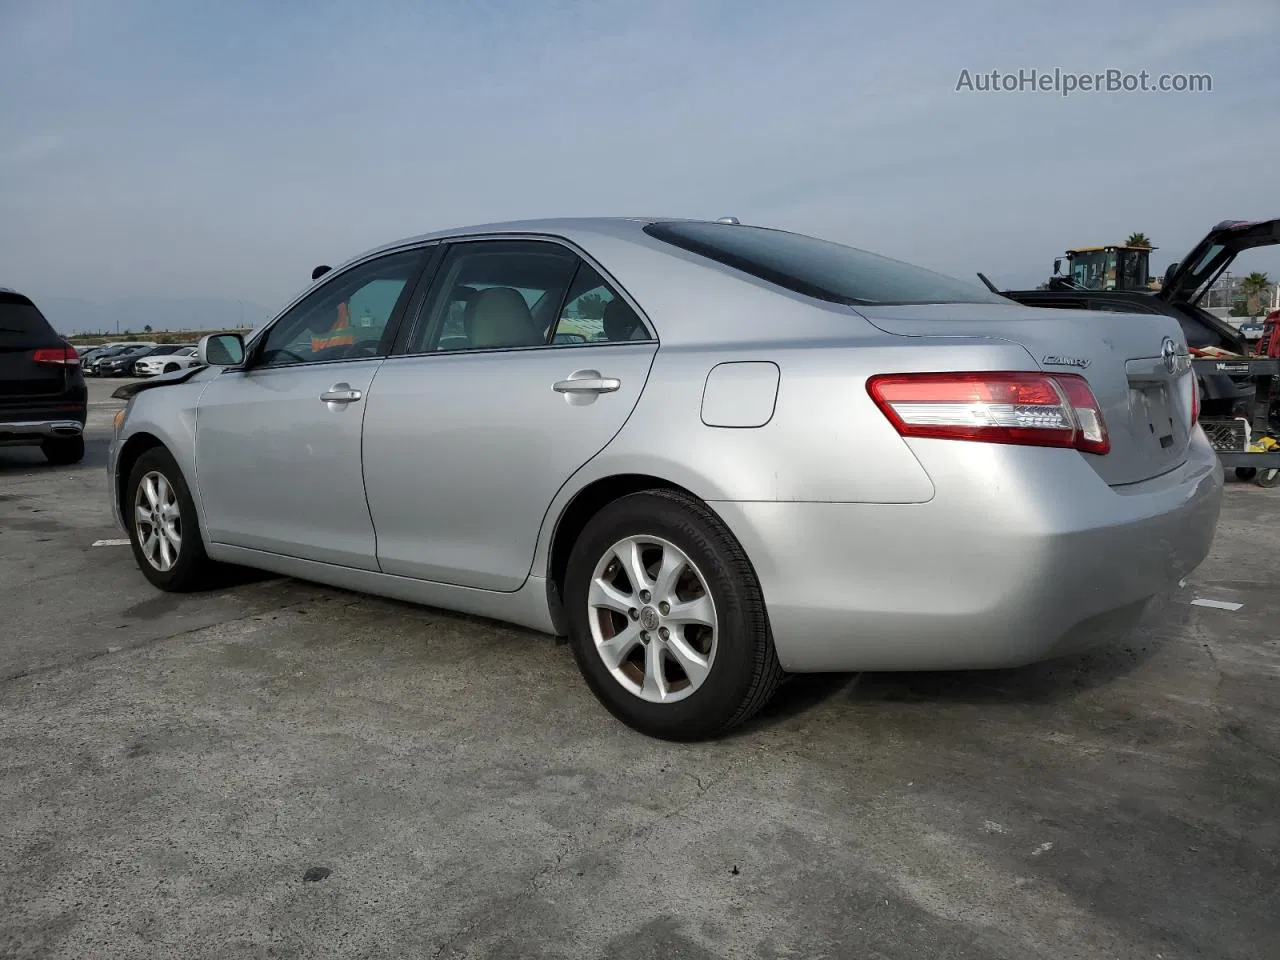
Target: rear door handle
[587,385]
[340,393]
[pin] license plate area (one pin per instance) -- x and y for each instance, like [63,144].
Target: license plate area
[1153,414]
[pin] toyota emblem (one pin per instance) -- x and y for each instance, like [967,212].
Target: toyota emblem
[1169,354]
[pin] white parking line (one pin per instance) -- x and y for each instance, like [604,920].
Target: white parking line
[1217,604]
[111,543]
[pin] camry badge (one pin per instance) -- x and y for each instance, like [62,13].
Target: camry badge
[1053,361]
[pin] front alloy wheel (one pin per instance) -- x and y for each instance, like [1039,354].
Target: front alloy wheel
[158,521]
[161,519]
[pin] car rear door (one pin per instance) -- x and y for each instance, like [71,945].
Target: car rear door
[522,364]
[32,355]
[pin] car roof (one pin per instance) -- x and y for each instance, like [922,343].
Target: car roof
[567,227]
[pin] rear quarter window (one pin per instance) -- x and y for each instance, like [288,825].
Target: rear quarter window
[22,325]
[818,268]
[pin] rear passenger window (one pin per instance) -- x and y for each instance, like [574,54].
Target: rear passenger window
[506,294]
[593,312]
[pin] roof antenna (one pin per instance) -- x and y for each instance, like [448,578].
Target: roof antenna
[728,220]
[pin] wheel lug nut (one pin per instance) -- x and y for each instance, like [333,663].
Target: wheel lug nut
[664,633]
[664,608]
[644,596]
[633,613]
[644,636]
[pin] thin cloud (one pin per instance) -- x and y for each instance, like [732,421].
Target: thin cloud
[224,151]
[32,149]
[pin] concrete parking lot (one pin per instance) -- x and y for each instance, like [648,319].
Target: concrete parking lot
[282,770]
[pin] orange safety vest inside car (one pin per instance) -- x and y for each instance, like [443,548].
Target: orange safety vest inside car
[339,334]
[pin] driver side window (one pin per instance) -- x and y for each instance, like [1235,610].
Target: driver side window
[346,317]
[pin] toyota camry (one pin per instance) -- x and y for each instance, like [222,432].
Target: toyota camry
[708,454]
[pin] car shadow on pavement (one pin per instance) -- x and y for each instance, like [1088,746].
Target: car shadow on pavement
[28,460]
[1040,683]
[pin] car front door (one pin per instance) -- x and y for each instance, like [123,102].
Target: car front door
[522,364]
[278,442]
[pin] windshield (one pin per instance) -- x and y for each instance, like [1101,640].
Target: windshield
[818,268]
[1095,270]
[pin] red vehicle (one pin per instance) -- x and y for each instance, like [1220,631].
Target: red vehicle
[1268,344]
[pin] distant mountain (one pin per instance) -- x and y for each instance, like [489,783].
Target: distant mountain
[70,315]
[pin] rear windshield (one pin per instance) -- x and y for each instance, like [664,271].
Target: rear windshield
[21,324]
[818,268]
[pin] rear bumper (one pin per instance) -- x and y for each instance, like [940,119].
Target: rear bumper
[19,432]
[1023,555]
[30,421]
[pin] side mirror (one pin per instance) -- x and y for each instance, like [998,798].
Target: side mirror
[320,271]
[221,350]
[1057,265]
[1169,272]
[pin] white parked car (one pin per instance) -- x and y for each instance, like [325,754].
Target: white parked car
[180,359]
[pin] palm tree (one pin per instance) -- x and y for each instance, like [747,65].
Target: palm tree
[1138,240]
[1254,285]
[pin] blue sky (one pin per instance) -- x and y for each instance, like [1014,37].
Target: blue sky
[175,149]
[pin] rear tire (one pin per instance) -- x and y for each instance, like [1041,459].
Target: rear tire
[63,451]
[698,603]
[1268,477]
[158,509]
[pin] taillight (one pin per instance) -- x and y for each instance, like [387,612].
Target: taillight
[58,356]
[1195,401]
[1031,409]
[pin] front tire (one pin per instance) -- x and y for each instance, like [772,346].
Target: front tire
[666,619]
[64,451]
[163,531]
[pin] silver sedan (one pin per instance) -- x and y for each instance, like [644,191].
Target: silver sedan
[708,454]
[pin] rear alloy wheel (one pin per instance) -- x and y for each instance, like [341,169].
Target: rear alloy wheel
[666,619]
[63,451]
[161,517]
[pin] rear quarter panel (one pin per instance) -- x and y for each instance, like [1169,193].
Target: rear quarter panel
[826,441]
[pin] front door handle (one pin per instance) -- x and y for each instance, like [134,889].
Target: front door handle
[596,384]
[340,393]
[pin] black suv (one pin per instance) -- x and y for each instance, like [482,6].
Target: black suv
[43,398]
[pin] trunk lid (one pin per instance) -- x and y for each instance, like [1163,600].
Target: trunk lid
[23,331]
[1146,406]
[1187,279]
